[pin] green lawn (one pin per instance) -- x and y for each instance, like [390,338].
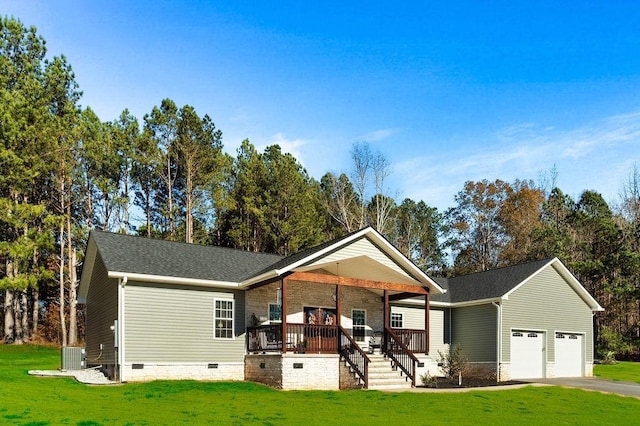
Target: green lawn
[623,371]
[54,400]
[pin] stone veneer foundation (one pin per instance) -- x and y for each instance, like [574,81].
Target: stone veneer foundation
[294,371]
[196,371]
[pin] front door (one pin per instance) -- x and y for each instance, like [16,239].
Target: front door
[320,331]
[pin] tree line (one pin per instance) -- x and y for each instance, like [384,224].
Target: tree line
[167,175]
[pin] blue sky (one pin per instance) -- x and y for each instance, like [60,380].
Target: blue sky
[447,91]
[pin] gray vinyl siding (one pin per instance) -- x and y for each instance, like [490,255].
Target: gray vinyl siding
[174,324]
[548,303]
[102,311]
[438,331]
[475,329]
[413,317]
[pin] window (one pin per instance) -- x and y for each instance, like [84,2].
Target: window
[397,320]
[359,320]
[275,313]
[223,319]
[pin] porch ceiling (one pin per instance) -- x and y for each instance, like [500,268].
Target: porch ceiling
[360,272]
[363,268]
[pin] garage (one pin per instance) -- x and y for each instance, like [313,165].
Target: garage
[527,354]
[569,350]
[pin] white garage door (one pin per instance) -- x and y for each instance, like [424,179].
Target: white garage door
[527,354]
[569,354]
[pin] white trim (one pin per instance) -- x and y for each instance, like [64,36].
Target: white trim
[121,310]
[269,313]
[375,237]
[535,330]
[583,361]
[437,304]
[364,326]
[569,278]
[233,317]
[87,271]
[391,314]
[569,332]
[545,342]
[163,279]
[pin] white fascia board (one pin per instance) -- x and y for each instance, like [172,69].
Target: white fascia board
[163,279]
[419,302]
[87,270]
[477,302]
[324,251]
[278,272]
[374,235]
[401,258]
[274,273]
[571,280]
[506,296]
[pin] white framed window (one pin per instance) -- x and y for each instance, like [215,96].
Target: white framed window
[397,320]
[223,319]
[275,313]
[359,317]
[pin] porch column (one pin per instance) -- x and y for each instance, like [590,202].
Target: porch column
[426,320]
[386,318]
[284,314]
[338,303]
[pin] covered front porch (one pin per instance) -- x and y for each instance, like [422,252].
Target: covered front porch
[310,316]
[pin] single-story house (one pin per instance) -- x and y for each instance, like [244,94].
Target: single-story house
[352,312]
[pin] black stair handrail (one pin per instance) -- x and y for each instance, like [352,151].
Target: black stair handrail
[400,354]
[354,355]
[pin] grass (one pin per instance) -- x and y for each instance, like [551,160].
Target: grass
[51,401]
[624,371]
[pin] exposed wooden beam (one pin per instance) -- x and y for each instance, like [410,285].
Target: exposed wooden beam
[315,278]
[401,296]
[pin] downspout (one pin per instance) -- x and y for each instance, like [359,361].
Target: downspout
[498,339]
[122,283]
[450,331]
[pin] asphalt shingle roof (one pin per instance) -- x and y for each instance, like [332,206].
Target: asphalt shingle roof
[132,254]
[486,285]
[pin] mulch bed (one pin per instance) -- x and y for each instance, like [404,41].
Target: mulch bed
[470,382]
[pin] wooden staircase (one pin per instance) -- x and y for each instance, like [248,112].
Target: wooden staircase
[383,376]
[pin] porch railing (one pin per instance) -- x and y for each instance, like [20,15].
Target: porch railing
[300,338]
[400,354]
[264,338]
[415,340]
[312,338]
[354,355]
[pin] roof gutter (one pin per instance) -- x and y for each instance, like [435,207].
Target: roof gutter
[274,273]
[170,280]
[413,301]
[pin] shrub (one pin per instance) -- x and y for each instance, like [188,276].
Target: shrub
[428,380]
[453,363]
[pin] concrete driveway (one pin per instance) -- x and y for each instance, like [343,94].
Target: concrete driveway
[595,384]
